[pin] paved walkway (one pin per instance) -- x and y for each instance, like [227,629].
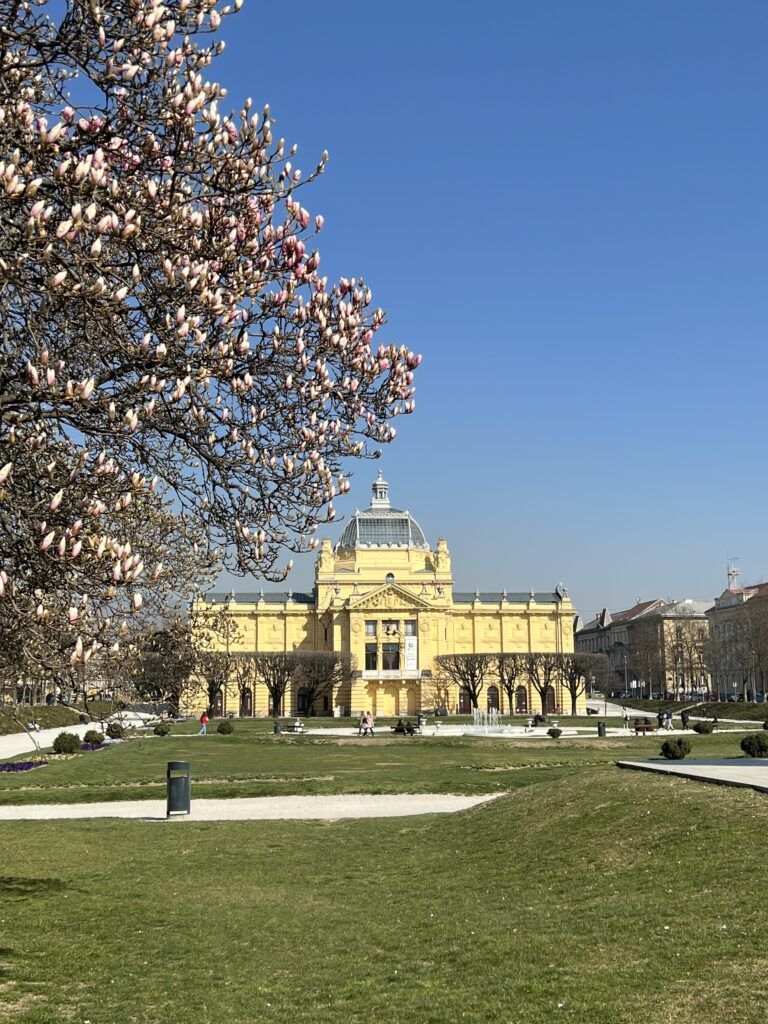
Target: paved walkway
[745,771]
[21,742]
[262,808]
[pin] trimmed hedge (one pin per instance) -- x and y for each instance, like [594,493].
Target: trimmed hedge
[704,728]
[115,731]
[161,729]
[555,733]
[93,736]
[225,727]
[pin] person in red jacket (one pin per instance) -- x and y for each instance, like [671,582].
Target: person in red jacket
[203,723]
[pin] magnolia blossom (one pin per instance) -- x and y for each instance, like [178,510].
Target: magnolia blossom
[183,384]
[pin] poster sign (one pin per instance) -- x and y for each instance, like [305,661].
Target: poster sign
[411,653]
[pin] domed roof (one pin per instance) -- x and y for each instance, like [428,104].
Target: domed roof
[381,526]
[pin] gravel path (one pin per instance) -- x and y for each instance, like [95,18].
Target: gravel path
[263,808]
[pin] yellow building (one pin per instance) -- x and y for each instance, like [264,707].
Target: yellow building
[383,595]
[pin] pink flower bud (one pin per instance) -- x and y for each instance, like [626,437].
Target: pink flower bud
[56,500]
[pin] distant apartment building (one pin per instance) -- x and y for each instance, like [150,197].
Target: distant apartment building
[668,649]
[738,641]
[609,633]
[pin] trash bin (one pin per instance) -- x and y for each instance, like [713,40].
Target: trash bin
[601,729]
[277,730]
[422,720]
[177,778]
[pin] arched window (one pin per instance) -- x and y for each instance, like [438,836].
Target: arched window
[521,700]
[493,698]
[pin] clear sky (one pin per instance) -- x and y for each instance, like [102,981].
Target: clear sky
[563,207]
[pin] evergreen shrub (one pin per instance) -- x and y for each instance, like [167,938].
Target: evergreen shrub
[755,745]
[66,743]
[676,749]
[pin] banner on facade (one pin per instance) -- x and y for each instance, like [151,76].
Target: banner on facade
[411,653]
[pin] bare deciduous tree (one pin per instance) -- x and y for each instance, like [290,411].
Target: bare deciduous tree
[511,670]
[577,669]
[275,670]
[468,672]
[544,670]
[317,673]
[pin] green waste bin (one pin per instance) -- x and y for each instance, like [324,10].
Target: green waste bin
[276,728]
[601,729]
[177,779]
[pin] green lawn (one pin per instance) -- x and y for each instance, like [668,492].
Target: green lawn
[623,896]
[49,717]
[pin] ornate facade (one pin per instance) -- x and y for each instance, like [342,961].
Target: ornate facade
[383,595]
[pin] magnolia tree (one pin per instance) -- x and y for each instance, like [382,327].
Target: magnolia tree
[179,384]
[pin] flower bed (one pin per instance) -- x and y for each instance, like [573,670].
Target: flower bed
[22,766]
[91,746]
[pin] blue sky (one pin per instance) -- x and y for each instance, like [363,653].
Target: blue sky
[563,207]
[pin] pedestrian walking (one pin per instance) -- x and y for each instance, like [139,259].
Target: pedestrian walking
[660,720]
[626,719]
[668,722]
[368,724]
[203,724]
[361,724]
[684,719]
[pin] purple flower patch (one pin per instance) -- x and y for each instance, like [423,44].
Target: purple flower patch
[91,746]
[21,766]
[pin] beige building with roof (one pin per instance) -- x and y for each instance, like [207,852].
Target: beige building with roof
[386,597]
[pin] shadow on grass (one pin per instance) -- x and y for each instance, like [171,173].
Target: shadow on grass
[28,888]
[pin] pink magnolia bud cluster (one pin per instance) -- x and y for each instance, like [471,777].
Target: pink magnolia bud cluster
[172,351]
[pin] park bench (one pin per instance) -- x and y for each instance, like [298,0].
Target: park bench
[295,727]
[643,727]
[402,732]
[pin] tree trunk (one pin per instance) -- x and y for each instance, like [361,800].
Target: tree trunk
[573,704]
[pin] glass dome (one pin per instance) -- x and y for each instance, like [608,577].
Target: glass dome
[381,526]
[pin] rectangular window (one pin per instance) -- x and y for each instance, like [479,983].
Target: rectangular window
[370,627]
[410,627]
[370,658]
[391,657]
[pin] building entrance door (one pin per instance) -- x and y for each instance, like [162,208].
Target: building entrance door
[493,698]
[465,704]
[549,700]
[521,701]
[246,703]
[218,705]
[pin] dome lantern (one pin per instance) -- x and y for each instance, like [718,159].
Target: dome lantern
[381,526]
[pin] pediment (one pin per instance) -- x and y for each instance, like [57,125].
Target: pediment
[389,597]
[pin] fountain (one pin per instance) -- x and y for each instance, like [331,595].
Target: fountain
[487,723]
